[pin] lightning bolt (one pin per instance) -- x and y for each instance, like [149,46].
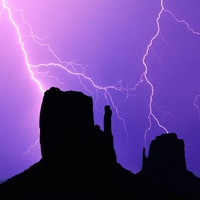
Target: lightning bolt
[144,76]
[68,67]
[6,5]
[78,70]
[196,99]
[31,146]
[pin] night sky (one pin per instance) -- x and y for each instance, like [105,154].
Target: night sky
[138,56]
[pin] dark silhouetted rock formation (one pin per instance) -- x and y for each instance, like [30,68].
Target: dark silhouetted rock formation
[79,161]
[78,158]
[166,167]
[67,130]
[66,123]
[166,153]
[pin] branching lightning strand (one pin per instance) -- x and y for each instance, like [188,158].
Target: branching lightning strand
[64,66]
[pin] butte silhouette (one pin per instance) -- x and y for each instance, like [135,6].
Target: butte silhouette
[79,160]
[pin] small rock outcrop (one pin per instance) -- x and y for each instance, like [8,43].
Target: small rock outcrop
[166,154]
[166,167]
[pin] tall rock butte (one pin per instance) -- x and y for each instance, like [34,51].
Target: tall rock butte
[67,130]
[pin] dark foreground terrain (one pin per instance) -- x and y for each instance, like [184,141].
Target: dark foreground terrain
[79,161]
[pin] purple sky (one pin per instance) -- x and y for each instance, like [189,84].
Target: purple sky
[106,41]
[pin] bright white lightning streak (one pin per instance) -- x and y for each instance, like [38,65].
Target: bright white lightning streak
[62,64]
[6,7]
[145,77]
[145,73]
